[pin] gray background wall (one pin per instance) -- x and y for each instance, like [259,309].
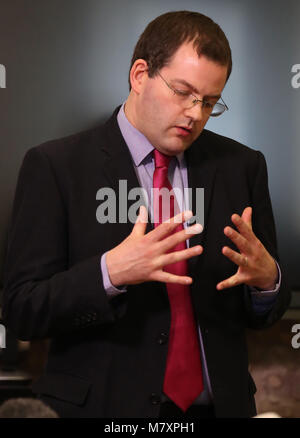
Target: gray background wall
[67,65]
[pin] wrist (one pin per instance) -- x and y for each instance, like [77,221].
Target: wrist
[271,283]
[267,286]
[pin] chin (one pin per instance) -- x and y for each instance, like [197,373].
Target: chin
[172,150]
[174,147]
[178,148]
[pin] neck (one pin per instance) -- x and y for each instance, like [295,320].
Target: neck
[130,110]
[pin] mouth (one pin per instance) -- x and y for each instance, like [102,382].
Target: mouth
[183,131]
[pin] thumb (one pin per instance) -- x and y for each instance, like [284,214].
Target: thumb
[141,222]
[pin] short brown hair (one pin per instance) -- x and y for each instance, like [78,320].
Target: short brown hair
[166,33]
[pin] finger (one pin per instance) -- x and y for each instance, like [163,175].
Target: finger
[235,280]
[240,241]
[235,257]
[166,277]
[141,222]
[169,226]
[247,216]
[178,256]
[180,236]
[242,227]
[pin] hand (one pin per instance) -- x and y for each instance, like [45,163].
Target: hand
[256,267]
[141,257]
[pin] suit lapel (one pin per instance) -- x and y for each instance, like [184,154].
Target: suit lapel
[201,174]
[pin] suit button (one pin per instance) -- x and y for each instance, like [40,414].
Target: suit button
[155,398]
[162,338]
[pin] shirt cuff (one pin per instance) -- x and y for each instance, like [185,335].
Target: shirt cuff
[111,290]
[268,293]
[263,300]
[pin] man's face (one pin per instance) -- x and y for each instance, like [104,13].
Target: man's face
[169,124]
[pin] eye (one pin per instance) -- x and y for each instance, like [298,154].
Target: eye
[182,93]
[208,105]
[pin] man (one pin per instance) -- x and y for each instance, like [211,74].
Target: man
[105,292]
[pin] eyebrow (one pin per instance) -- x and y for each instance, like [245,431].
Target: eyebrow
[187,84]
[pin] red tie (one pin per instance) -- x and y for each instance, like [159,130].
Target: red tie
[183,378]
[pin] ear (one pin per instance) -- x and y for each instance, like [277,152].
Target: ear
[138,74]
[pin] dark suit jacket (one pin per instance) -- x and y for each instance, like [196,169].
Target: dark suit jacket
[107,356]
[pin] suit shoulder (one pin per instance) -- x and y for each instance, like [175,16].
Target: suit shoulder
[221,144]
[227,152]
[81,145]
[69,146]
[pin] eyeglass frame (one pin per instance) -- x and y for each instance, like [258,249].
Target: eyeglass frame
[196,100]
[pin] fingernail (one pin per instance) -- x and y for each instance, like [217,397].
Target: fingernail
[187,215]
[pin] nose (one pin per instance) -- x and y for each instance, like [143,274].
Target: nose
[195,112]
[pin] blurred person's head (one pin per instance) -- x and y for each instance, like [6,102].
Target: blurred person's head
[26,408]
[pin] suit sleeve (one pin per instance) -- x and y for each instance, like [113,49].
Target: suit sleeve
[44,296]
[264,229]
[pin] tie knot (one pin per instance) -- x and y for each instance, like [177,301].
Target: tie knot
[160,159]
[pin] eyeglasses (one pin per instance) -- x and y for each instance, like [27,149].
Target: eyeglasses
[184,97]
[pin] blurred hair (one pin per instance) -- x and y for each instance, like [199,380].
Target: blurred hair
[26,408]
